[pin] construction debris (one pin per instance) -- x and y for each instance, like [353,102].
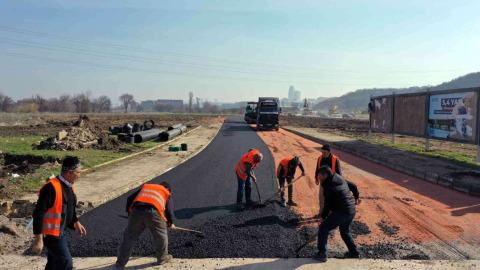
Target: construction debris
[83,134]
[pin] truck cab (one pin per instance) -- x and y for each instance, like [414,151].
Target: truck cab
[268,113]
[251,113]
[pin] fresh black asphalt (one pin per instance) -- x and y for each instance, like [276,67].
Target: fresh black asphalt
[204,194]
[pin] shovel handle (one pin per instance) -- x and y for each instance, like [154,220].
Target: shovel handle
[176,228]
[308,242]
[283,189]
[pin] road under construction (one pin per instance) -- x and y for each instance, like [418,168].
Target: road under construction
[401,217]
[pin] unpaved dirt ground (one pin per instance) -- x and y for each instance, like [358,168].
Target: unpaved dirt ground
[50,124]
[407,217]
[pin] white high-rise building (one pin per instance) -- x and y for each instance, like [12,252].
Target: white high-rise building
[291,93]
[297,96]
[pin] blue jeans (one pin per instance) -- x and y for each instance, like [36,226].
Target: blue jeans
[59,257]
[244,185]
[334,220]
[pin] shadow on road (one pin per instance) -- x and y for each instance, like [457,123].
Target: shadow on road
[270,220]
[188,213]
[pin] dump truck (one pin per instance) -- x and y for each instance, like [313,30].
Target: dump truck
[251,113]
[268,111]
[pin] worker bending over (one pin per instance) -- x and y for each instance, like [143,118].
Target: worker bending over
[151,207]
[286,171]
[245,175]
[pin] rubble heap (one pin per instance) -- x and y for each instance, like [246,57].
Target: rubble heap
[83,134]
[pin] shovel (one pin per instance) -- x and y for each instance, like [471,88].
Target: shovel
[259,197]
[281,190]
[311,239]
[199,233]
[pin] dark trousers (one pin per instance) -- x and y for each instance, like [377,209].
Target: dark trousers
[334,220]
[281,181]
[138,221]
[244,185]
[58,255]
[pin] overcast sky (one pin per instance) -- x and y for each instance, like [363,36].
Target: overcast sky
[232,50]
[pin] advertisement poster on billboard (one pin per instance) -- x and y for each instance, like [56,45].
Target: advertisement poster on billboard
[453,116]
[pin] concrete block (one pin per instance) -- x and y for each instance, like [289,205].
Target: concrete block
[391,164]
[431,177]
[462,189]
[62,134]
[445,182]
[420,174]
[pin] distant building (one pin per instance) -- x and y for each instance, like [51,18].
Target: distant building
[291,93]
[172,102]
[297,96]
[148,105]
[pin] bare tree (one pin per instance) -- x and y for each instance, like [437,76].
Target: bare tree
[82,102]
[40,101]
[104,104]
[126,99]
[209,107]
[6,103]
[190,101]
[64,101]
[53,105]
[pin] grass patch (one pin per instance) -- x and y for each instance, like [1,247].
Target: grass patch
[88,157]
[458,158]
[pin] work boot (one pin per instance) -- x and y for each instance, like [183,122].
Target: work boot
[292,203]
[351,255]
[321,257]
[239,206]
[119,267]
[168,258]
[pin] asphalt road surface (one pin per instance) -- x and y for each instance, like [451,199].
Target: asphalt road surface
[204,195]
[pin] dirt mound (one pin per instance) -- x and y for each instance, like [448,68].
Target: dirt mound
[351,125]
[83,134]
[13,239]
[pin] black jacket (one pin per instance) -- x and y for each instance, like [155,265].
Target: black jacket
[336,191]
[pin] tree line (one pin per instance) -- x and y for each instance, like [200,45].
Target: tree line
[85,102]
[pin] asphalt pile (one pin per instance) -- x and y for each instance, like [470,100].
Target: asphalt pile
[387,229]
[359,228]
[83,134]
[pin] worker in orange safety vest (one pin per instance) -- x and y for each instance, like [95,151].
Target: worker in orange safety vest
[245,175]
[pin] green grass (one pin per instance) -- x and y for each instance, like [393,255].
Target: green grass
[88,157]
[458,158]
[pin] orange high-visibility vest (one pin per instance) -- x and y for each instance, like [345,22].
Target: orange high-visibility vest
[248,157]
[53,218]
[156,195]
[334,162]
[284,163]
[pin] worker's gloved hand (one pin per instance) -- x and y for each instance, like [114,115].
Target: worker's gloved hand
[303,174]
[171,226]
[358,201]
[254,179]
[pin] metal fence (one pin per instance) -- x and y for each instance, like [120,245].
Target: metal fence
[449,115]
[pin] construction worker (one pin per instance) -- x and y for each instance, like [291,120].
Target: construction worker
[329,159]
[150,207]
[245,175]
[54,212]
[339,211]
[332,161]
[286,171]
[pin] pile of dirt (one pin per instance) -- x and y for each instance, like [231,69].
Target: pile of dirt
[83,134]
[13,239]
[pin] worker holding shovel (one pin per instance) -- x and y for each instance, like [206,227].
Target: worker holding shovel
[150,207]
[286,172]
[245,176]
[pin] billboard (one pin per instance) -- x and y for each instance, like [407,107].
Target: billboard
[453,116]
[409,115]
[381,117]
